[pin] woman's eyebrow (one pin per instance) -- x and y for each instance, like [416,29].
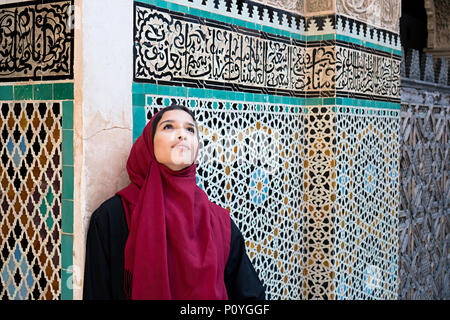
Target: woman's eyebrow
[171,121]
[162,122]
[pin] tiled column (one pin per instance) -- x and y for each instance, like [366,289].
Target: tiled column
[350,248]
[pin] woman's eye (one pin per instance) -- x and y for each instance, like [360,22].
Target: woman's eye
[167,126]
[191,130]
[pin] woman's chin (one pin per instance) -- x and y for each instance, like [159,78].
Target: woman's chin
[179,165]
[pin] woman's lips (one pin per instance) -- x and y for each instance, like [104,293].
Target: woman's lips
[182,146]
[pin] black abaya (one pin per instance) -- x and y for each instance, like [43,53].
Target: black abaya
[104,267]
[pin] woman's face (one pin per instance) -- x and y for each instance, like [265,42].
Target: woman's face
[176,140]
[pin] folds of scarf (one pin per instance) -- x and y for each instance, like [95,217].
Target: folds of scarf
[178,241]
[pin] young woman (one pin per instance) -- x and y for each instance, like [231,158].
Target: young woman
[160,237]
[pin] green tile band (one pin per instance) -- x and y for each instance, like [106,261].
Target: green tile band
[139,121]
[67,188]
[66,251]
[66,284]
[67,119]
[67,148]
[367,43]
[141,89]
[23,92]
[138,99]
[67,216]
[55,91]
[63,91]
[6,93]
[43,92]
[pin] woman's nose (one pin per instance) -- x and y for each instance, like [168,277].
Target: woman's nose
[181,135]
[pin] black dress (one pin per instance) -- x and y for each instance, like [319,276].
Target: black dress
[104,267]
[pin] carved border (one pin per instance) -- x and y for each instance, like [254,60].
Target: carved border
[178,49]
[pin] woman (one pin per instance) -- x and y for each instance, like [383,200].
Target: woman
[160,237]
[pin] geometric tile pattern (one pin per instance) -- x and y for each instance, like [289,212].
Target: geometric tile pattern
[318,202]
[250,163]
[312,181]
[367,200]
[30,199]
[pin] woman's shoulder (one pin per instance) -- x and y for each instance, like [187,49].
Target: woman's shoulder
[109,210]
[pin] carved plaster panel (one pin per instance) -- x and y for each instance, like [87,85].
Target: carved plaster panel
[438,27]
[319,6]
[442,23]
[385,13]
[438,24]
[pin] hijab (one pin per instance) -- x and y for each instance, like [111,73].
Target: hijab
[179,241]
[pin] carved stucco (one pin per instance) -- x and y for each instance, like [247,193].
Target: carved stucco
[442,23]
[438,27]
[319,6]
[379,13]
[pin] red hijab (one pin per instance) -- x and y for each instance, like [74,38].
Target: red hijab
[178,241]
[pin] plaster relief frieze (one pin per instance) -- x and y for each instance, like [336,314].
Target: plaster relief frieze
[390,15]
[319,6]
[385,13]
[438,27]
[442,24]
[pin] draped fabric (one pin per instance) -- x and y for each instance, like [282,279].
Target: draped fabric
[179,241]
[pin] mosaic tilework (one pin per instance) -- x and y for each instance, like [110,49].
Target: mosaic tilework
[362,74]
[368,35]
[37,41]
[36,194]
[367,199]
[318,203]
[329,65]
[206,54]
[250,163]
[202,53]
[275,17]
[31,181]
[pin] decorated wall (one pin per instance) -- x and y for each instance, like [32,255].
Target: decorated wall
[36,149]
[298,106]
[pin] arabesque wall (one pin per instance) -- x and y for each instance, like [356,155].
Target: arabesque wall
[298,104]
